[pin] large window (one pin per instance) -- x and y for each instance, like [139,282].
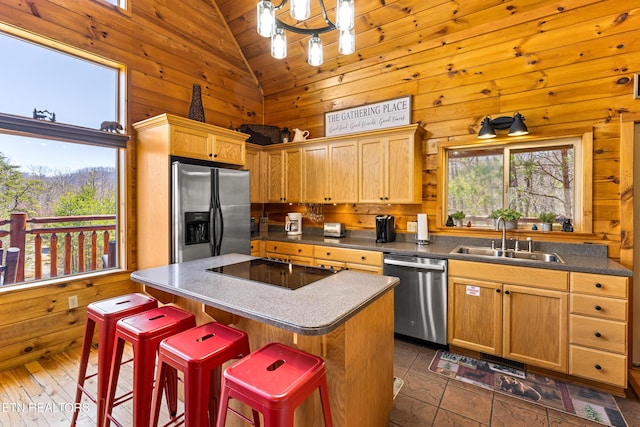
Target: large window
[531,178]
[59,172]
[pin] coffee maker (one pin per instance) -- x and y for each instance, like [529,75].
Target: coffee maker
[385,229]
[293,223]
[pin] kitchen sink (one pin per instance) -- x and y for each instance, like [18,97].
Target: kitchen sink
[535,256]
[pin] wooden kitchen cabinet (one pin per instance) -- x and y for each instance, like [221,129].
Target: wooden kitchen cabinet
[289,252]
[284,176]
[518,313]
[391,168]
[253,164]
[598,328]
[353,259]
[196,140]
[330,172]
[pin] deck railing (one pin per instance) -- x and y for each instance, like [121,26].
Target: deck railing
[77,245]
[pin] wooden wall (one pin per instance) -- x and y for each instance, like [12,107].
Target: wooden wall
[567,67]
[166,47]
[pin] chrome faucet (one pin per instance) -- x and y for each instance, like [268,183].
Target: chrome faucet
[504,233]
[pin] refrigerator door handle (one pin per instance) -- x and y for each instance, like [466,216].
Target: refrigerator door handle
[217,225]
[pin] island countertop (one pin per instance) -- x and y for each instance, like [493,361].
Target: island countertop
[315,309]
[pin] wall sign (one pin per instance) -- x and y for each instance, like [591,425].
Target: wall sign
[381,115]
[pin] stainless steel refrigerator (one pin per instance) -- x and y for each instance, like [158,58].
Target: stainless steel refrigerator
[211,212]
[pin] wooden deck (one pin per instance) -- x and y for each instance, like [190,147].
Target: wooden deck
[42,393]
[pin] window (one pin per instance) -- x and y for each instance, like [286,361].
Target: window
[533,177]
[59,173]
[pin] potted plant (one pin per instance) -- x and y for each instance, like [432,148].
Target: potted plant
[547,219]
[457,217]
[510,216]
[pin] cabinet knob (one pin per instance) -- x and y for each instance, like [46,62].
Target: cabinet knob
[598,285]
[506,292]
[497,291]
[597,307]
[363,258]
[275,248]
[598,335]
[381,198]
[328,253]
[215,155]
[386,198]
[299,250]
[598,367]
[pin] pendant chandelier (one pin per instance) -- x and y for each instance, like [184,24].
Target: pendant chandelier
[270,26]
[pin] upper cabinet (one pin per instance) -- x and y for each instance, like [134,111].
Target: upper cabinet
[391,167]
[254,165]
[196,140]
[284,175]
[331,172]
[383,166]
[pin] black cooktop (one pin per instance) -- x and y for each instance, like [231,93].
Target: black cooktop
[276,273]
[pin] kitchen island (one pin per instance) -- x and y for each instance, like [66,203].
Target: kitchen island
[345,318]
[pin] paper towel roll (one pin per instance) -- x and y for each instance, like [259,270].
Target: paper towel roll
[423,227]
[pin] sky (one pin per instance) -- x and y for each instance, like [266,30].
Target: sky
[80,93]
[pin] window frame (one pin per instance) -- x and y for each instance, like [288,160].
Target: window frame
[27,126]
[583,169]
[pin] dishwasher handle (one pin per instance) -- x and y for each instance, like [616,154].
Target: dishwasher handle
[432,267]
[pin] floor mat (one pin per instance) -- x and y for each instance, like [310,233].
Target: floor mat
[580,401]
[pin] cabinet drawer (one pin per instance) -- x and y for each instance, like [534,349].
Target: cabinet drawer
[289,248]
[511,274]
[362,268]
[599,284]
[604,308]
[327,263]
[348,255]
[598,365]
[602,334]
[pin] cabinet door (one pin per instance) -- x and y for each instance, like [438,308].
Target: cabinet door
[275,176]
[293,175]
[401,170]
[190,143]
[475,315]
[343,172]
[256,182]
[316,174]
[371,180]
[535,327]
[228,150]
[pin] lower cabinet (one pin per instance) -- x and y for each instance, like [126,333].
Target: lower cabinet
[289,252]
[598,328]
[325,256]
[525,322]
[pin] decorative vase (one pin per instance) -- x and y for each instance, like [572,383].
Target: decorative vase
[547,226]
[196,110]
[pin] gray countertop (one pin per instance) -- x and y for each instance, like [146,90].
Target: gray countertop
[579,257]
[315,309]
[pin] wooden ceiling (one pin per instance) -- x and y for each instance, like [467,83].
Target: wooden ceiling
[377,21]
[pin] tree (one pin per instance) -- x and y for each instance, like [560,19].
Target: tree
[17,193]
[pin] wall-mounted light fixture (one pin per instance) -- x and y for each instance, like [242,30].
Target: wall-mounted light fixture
[270,26]
[515,125]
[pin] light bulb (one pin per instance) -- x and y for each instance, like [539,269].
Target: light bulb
[345,15]
[266,18]
[279,43]
[300,9]
[347,42]
[315,51]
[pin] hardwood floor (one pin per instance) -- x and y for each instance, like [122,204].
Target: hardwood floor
[42,393]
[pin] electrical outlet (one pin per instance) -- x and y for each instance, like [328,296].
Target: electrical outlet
[412,226]
[73,301]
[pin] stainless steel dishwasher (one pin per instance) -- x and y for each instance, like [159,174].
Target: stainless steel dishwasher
[421,297]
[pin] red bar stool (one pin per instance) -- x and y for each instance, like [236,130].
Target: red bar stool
[145,331]
[199,353]
[274,380]
[105,314]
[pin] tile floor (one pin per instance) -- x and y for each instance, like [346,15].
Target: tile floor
[429,399]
